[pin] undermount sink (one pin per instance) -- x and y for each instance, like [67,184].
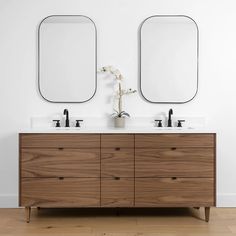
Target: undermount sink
[174,128]
[66,128]
[133,125]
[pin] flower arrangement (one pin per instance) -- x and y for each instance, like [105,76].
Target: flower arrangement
[120,92]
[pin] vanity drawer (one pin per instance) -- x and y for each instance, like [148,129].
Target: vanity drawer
[174,140]
[179,192]
[117,162]
[52,162]
[117,141]
[117,192]
[55,192]
[174,162]
[60,140]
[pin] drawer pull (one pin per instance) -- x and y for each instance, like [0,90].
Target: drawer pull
[117,178]
[173,148]
[60,148]
[117,149]
[173,178]
[61,178]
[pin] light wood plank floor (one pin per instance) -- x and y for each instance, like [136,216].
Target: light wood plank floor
[110,222]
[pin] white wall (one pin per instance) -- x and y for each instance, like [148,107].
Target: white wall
[117,24]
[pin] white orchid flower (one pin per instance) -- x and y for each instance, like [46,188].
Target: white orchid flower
[119,93]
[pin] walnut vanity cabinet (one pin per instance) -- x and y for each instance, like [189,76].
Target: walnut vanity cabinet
[175,170]
[59,170]
[117,170]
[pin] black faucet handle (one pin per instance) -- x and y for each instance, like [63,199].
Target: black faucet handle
[180,123]
[78,123]
[65,112]
[169,122]
[57,123]
[159,124]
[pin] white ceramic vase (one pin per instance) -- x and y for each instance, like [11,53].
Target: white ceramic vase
[119,122]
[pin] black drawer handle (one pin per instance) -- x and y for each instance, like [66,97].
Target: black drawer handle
[61,178]
[117,178]
[173,148]
[60,148]
[173,178]
[117,149]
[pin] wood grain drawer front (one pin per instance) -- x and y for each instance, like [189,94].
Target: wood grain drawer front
[60,140]
[179,162]
[53,192]
[117,141]
[117,162]
[117,192]
[37,162]
[167,192]
[174,140]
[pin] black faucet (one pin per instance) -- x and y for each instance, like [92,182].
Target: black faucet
[66,112]
[169,118]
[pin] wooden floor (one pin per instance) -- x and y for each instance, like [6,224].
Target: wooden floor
[110,222]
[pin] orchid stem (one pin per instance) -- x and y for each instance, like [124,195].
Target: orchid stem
[120,99]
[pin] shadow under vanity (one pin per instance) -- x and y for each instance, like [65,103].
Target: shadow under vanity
[117,170]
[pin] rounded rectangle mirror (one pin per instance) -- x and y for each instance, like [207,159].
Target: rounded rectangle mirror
[67,58]
[169,59]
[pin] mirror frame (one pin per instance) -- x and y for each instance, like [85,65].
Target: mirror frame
[140,58]
[38,63]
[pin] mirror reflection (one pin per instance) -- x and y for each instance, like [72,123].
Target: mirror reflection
[169,59]
[67,58]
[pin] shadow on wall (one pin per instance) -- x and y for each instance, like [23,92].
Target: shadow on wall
[9,151]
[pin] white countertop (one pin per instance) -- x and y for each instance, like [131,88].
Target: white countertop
[107,130]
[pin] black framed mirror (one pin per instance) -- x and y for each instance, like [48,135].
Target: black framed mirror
[67,58]
[169,59]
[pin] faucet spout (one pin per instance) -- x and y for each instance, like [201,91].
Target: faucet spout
[169,118]
[67,122]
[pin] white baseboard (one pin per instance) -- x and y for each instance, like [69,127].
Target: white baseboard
[8,201]
[226,200]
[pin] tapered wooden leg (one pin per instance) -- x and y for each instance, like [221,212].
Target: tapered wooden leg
[27,214]
[207,213]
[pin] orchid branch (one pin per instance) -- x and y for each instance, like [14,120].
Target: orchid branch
[121,92]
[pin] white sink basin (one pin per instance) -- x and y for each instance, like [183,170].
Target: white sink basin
[174,128]
[65,128]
